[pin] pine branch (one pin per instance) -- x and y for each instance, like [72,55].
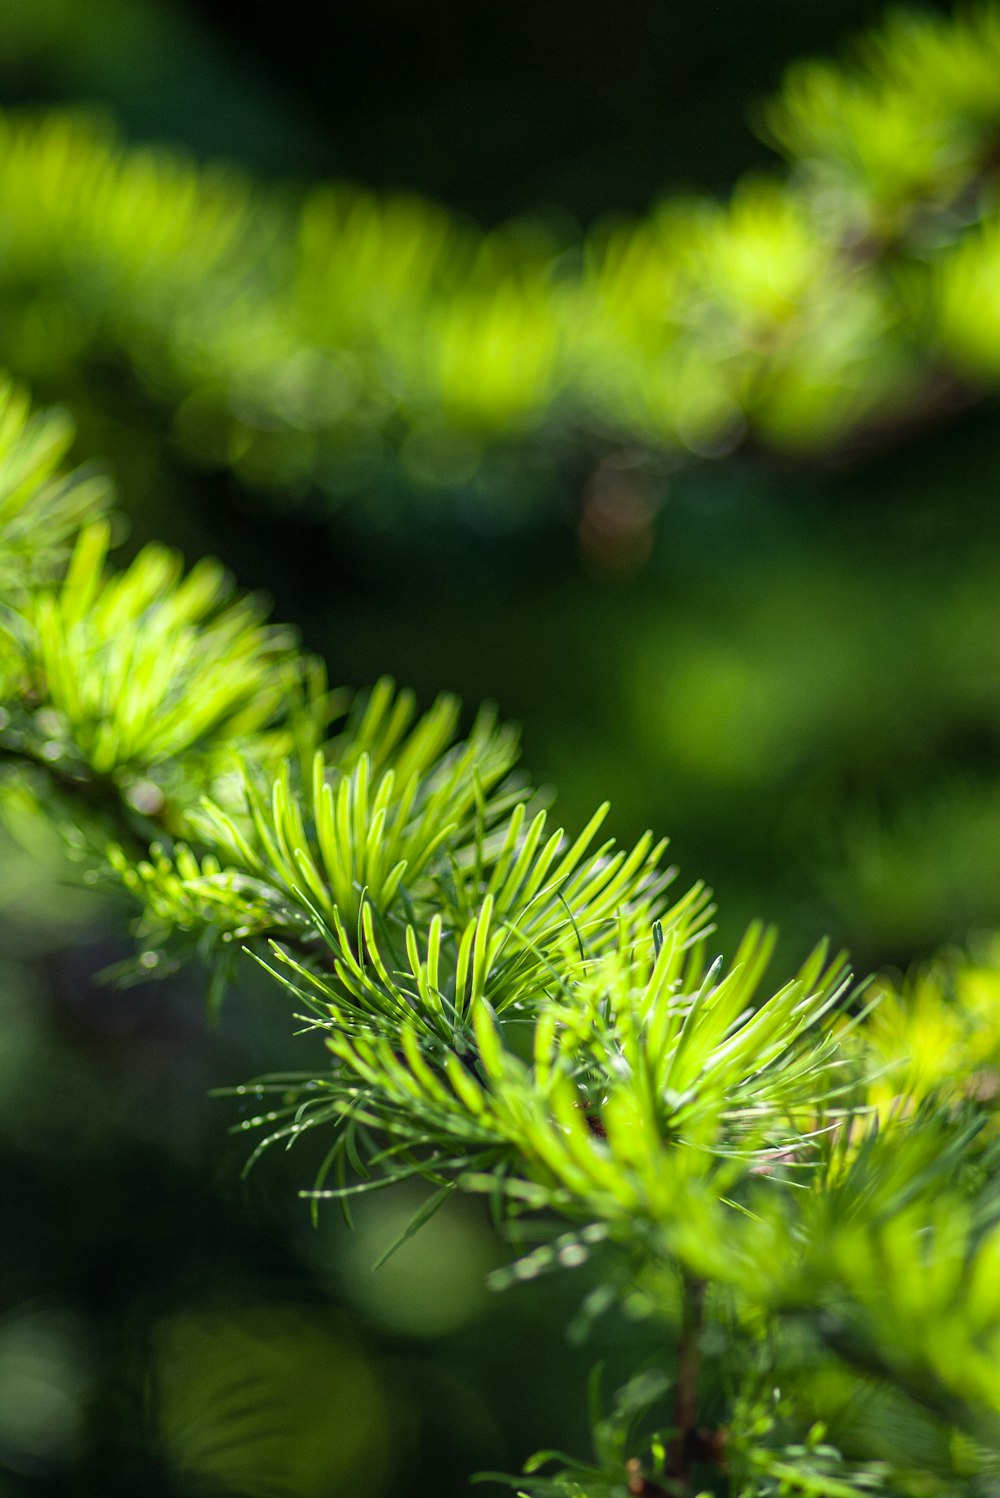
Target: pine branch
[526,1014]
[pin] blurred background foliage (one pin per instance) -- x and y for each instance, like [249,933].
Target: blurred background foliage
[338,347]
[697,480]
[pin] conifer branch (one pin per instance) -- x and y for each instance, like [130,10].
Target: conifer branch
[498,1007]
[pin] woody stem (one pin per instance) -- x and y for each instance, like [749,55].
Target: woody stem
[686,1390]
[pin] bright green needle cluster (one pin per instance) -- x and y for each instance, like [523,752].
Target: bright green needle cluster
[803,1181]
[41,507]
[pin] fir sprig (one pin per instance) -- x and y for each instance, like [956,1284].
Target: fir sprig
[786,1167]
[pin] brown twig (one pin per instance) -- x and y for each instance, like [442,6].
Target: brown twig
[686,1392]
[693,1444]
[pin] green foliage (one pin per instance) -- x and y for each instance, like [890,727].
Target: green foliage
[137,686]
[354,344]
[796,1184]
[758,1463]
[261,1432]
[40,507]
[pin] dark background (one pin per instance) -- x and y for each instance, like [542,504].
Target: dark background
[498,110]
[801,687]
